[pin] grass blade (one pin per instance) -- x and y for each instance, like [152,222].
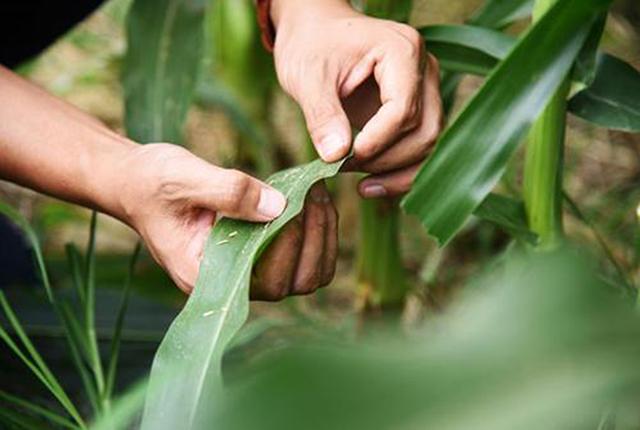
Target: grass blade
[17,421]
[472,153]
[501,13]
[185,376]
[37,410]
[117,331]
[89,310]
[74,260]
[79,354]
[17,218]
[35,362]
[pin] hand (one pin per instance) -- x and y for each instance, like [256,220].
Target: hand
[171,198]
[343,69]
[303,257]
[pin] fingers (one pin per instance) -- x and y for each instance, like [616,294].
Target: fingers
[309,272]
[331,246]
[303,256]
[274,273]
[235,194]
[388,184]
[398,72]
[326,120]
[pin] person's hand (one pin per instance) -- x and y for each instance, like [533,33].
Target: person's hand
[303,257]
[172,198]
[343,69]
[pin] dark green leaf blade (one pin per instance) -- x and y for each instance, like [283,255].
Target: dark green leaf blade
[508,214]
[185,375]
[465,48]
[472,153]
[165,39]
[500,13]
[613,99]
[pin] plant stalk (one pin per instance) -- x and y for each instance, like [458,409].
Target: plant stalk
[380,272]
[381,275]
[544,162]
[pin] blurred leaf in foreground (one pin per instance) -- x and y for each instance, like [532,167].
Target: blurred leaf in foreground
[540,343]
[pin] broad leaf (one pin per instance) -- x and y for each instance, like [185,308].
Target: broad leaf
[508,214]
[472,153]
[185,376]
[161,66]
[467,49]
[613,99]
[501,13]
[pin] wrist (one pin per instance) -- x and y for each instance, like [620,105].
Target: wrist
[106,173]
[289,11]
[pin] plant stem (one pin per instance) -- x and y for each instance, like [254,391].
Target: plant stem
[544,163]
[380,271]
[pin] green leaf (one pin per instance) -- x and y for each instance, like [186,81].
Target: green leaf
[161,66]
[472,153]
[395,10]
[37,410]
[124,410]
[613,99]
[117,330]
[185,376]
[467,49]
[501,13]
[33,360]
[508,214]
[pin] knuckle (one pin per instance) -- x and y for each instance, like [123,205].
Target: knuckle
[319,113]
[413,43]
[239,186]
[405,113]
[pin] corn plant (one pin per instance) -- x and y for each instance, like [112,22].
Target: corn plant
[381,274]
[455,182]
[529,80]
[240,79]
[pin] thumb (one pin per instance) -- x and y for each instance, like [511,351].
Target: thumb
[237,195]
[326,120]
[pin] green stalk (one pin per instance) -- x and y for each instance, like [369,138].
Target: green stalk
[380,272]
[544,162]
[381,275]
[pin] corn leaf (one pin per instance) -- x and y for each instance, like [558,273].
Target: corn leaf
[501,13]
[465,48]
[185,376]
[508,214]
[472,153]
[613,99]
[161,66]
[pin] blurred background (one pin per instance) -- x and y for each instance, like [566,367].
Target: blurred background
[242,119]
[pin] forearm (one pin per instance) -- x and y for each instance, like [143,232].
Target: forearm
[52,147]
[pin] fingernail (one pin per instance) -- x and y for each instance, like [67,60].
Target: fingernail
[374,190]
[271,203]
[331,147]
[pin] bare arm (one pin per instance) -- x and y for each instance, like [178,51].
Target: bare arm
[52,147]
